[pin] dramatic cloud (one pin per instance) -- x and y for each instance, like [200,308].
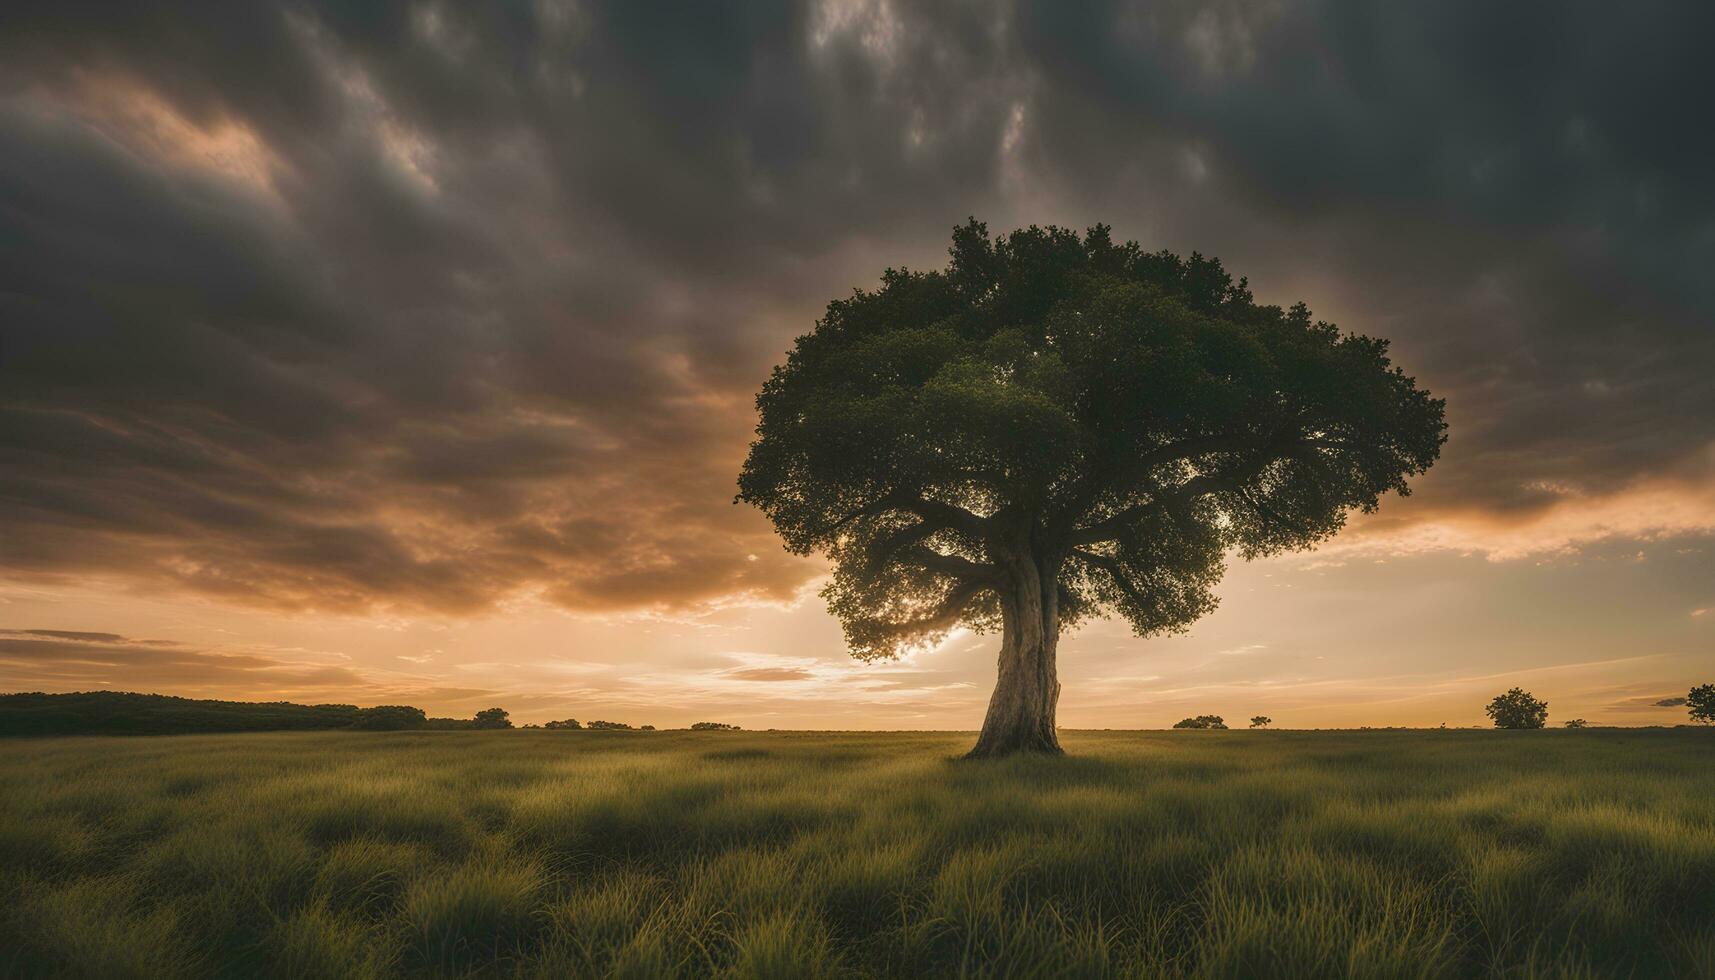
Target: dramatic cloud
[60,660]
[438,306]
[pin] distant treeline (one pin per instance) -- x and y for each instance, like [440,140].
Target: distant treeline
[115,713]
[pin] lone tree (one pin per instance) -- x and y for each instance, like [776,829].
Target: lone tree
[491,718]
[1055,427]
[1701,703]
[1517,709]
[1261,721]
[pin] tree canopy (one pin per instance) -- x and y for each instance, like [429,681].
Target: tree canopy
[1517,709]
[1700,703]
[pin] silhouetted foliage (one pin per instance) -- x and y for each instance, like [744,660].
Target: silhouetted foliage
[449,724]
[1261,721]
[1577,723]
[646,728]
[609,726]
[390,717]
[1055,427]
[713,726]
[1701,703]
[1202,721]
[564,724]
[1517,709]
[119,713]
[491,718]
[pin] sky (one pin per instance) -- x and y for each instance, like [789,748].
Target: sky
[406,352]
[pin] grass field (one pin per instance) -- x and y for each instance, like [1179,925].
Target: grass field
[1209,854]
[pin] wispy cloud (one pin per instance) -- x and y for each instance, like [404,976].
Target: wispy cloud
[58,660]
[770,674]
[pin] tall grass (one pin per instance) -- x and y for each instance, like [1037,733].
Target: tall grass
[1236,854]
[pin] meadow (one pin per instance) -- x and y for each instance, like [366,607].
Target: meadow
[528,853]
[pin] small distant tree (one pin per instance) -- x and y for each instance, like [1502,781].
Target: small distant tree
[646,728]
[565,724]
[491,718]
[609,726]
[1203,722]
[1261,721]
[1517,709]
[1577,723]
[390,718]
[1701,703]
[713,726]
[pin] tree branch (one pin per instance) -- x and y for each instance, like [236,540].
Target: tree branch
[1115,571]
[882,551]
[960,568]
[871,509]
[945,616]
[1268,514]
[931,511]
[950,516]
[906,545]
[1093,484]
[1115,524]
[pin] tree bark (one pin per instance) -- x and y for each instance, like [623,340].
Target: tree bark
[1021,712]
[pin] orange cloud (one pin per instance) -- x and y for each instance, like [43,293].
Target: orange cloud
[1648,510]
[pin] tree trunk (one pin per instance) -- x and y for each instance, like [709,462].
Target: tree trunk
[1021,712]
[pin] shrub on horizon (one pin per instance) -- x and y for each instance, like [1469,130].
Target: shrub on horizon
[1577,723]
[1203,722]
[1261,721]
[491,718]
[568,723]
[608,726]
[713,726]
[1516,709]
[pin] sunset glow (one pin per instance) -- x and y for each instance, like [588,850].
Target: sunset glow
[414,361]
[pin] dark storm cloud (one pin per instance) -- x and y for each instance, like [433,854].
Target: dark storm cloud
[433,304]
